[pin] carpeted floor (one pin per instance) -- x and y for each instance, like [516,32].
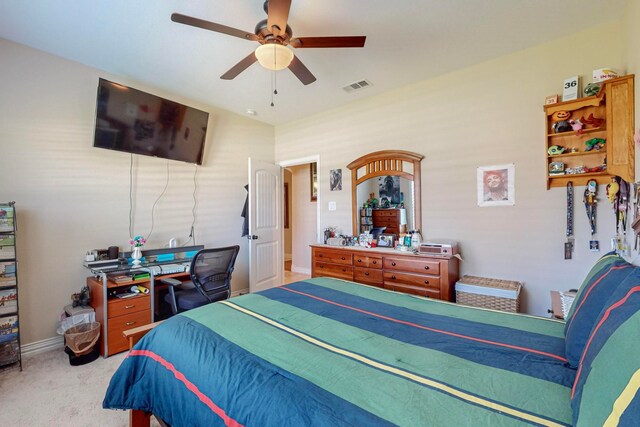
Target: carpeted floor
[50,392]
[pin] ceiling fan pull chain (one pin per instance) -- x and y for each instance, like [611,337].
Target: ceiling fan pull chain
[273,84]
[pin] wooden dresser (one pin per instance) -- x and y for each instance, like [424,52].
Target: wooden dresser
[387,268]
[394,219]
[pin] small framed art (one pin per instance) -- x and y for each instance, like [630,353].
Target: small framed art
[496,185]
[386,240]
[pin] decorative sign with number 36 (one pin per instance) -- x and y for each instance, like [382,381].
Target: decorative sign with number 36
[570,88]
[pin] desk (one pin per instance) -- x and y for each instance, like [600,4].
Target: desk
[119,314]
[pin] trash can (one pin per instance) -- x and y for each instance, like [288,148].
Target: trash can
[82,343]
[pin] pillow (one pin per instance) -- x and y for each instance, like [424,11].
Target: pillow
[602,280]
[605,391]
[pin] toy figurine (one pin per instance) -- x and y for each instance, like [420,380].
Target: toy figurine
[593,121]
[562,126]
[577,126]
[555,149]
[596,143]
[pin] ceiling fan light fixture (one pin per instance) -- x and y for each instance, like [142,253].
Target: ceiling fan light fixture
[273,56]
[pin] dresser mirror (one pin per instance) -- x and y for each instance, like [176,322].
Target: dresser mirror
[391,179]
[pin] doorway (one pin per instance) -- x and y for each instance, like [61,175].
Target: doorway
[301,216]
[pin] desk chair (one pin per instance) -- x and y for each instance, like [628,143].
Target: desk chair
[210,280]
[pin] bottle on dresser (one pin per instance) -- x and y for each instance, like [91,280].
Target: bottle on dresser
[416,239]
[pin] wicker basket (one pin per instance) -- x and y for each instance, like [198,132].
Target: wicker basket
[490,293]
[566,299]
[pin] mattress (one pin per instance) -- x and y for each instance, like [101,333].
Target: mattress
[327,352]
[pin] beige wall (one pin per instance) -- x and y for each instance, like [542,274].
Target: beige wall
[488,114]
[71,197]
[304,217]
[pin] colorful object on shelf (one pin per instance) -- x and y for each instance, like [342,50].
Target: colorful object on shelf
[594,169]
[560,116]
[562,126]
[592,89]
[555,149]
[556,168]
[593,121]
[596,143]
[577,126]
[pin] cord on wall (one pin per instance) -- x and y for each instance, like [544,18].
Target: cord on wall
[131,197]
[166,184]
[192,235]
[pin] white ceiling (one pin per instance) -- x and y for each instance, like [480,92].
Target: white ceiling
[407,41]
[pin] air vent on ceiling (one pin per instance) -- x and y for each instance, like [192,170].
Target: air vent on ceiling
[357,85]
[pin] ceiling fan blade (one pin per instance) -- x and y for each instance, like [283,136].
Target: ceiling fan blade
[301,72]
[310,42]
[212,26]
[239,67]
[277,16]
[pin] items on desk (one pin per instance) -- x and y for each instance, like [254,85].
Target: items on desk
[82,298]
[137,289]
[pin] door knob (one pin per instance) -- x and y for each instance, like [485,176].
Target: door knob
[252,237]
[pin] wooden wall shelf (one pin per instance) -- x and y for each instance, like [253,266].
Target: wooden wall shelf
[615,105]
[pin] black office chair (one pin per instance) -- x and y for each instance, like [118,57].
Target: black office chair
[210,280]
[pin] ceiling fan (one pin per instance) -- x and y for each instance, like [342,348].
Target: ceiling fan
[274,35]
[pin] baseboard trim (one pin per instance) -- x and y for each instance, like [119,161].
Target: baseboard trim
[240,292]
[38,347]
[300,270]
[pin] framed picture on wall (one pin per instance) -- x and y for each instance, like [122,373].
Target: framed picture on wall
[496,185]
[313,168]
[335,180]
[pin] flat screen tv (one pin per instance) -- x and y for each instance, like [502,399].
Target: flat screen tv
[137,122]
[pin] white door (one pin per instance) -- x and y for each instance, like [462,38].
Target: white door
[266,262]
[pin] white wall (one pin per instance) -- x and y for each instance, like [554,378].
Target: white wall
[71,197]
[488,114]
[304,217]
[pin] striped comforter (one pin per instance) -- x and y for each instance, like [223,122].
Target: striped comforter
[326,352]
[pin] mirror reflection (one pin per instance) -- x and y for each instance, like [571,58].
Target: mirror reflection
[385,205]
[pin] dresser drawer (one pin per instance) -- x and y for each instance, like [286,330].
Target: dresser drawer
[323,269]
[336,257]
[415,290]
[123,306]
[414,265]
[367,261]
[117,325]
[386,213]
[369,276]
[419,280]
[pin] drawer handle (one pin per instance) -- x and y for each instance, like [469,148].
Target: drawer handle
[393,277]
[359,260]
[366,273]
[129,306]
[343,258]
[375,262]
[319,255]
[393,264]
[426,282]
[344,270]
[426,267]
[130,323]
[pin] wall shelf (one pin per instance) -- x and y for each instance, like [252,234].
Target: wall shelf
[615,105]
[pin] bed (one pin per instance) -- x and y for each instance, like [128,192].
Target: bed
[327,352]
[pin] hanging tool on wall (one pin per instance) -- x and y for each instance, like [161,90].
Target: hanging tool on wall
[590,204]
[636,213]
[618,192]
[568,246]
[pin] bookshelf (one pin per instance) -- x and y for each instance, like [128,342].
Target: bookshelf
[10,352]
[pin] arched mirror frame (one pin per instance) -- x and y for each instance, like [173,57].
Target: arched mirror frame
[384,163]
